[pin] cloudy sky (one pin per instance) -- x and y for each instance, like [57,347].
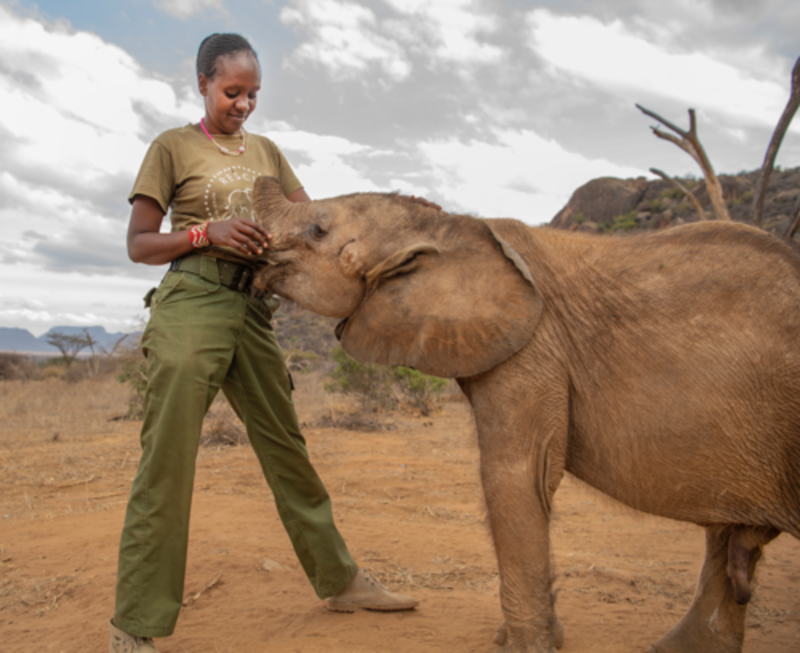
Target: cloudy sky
[490,107]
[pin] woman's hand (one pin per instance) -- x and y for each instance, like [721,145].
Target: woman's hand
[245,236]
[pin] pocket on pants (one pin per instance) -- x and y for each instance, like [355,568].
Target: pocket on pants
[164,290]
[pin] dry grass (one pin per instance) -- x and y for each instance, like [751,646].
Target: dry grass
[53,410]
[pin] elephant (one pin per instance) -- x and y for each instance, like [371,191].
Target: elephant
[661,369]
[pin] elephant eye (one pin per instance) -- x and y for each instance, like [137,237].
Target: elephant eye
[317,232]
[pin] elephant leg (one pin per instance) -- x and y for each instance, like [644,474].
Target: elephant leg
[501,635]
[519,476]
[715,621]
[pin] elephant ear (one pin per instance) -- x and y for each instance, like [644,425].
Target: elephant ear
[455,306]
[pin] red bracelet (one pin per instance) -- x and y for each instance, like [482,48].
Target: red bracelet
[198,235]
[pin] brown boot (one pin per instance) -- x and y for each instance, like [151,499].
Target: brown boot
[366,592]
[122,642]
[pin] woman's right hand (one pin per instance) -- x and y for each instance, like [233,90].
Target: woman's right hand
[245,236]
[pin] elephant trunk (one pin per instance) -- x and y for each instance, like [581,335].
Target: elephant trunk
[272,210]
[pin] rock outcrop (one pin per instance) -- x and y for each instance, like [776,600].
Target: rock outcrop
[609,205]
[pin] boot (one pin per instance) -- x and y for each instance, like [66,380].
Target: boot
[366,592]
[122,642]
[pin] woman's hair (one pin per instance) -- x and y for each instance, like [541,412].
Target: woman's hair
[220,45]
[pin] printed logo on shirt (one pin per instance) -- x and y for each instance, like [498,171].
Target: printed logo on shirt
[229,193]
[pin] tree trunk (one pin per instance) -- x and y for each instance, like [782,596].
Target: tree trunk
[793,223]
[690,143]
[774,146]
[689,194]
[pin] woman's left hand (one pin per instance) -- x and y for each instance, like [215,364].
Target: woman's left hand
[246,236]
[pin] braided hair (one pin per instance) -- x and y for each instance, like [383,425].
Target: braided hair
[220,45]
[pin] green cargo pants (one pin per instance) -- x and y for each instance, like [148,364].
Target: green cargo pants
[202,337]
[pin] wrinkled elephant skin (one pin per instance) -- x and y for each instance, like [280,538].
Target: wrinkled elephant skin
[661,369]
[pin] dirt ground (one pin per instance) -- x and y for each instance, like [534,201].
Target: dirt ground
[409,503]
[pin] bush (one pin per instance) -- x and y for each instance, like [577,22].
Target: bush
[421,390]
[134,374]
[371,384]
[222,427]
[626,222]
[379,385]
[16,367]
[76,371]
[302,361]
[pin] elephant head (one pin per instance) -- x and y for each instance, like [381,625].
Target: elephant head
[415,287]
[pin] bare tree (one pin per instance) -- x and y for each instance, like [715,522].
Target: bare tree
[683,189]
[774,146]
[690,143]
[94,365]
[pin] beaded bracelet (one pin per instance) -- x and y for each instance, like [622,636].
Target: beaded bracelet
[198,235]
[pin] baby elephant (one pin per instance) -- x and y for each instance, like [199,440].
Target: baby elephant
[662,369]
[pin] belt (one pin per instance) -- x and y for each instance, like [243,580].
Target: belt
[238,277]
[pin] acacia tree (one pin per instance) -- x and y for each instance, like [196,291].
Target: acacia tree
[690,143]
[68,345]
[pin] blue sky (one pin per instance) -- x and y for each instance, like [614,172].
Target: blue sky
[499,108]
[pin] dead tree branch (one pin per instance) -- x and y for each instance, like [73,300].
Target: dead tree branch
[775,144]
[690,143]
[794,222]
[94,363]
[683,189]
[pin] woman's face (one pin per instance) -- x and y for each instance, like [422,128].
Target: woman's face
[230,95]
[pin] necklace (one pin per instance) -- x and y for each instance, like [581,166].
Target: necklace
[222,148]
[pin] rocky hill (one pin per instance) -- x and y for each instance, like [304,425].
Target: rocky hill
[14,339]
[609,205]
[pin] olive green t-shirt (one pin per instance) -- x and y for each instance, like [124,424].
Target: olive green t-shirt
[189,176]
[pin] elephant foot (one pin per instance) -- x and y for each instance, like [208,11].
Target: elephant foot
[557,638]
[541,645]
[694,637]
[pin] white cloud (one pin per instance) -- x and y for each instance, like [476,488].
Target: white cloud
[614,57]
[520,175]
[332,166]
[66,299]
[347,39]
[343,39]
[186,8]
[453,29]
[73,104]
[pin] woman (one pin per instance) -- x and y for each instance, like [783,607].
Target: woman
[210,330]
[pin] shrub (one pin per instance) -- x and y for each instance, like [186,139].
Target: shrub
[222,427]
[371,384]
[16,367]
[421,390]
[302,361]
[134,374]
[626,222]
[378,385]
